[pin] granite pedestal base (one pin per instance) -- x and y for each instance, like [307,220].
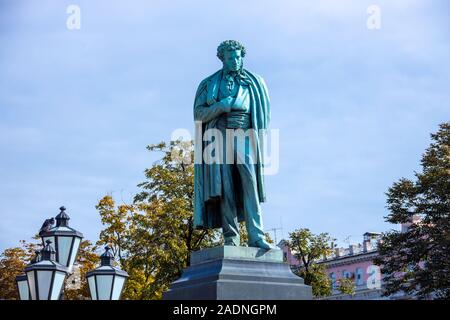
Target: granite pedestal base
[238,273]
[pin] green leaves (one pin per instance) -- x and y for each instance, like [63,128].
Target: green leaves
[116,220]
[346,286]
[308,248]
[154,235]
[418,260]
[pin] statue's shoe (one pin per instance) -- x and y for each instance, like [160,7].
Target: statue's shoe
[261,243]
[232,241]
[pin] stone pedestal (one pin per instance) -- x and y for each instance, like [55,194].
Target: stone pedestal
[238,273]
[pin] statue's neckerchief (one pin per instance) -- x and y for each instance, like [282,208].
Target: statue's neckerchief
[213,87]
[239,76]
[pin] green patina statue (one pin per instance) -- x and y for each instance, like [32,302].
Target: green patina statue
[231,101]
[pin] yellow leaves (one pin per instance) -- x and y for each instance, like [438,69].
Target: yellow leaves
[155,233]
[116,220]
[12,263]
[106,202]
[123,209]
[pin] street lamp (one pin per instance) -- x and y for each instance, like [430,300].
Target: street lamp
[106,282]
[46,276]
[67,240]
[22,287]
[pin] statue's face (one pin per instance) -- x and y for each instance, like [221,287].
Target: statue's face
[232,60]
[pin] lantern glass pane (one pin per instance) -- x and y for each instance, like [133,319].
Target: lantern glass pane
[44,279]
[76,244]
[91,282]
[57,285]
[64,244]
[23,290]
[31,284]
[104,284]
[118,285]
[52,239]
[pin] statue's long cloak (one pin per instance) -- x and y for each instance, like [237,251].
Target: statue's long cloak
[207,177]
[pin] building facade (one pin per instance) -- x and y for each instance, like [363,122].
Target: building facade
[354,262]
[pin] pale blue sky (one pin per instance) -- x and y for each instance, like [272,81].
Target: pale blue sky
[354,106]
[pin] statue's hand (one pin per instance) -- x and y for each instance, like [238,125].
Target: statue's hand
[226,104]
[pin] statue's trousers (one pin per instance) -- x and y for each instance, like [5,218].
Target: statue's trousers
[239,178]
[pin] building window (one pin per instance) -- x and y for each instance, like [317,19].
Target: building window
[333,280]
[285,256]
[347,274]
[359,277]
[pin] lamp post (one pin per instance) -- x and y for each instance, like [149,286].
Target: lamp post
[46,276]
[66,239]
[106,282]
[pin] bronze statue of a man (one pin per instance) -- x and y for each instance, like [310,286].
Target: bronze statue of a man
[234,100]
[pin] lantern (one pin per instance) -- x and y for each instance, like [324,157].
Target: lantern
[106,282]
[67,240]
[46,276]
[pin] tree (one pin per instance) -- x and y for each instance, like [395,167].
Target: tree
[116,220]
[127,233]
[308,248]
[346,285]
[12,263]
[417,261]
[155,235]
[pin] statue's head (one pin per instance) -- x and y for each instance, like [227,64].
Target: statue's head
[231,52]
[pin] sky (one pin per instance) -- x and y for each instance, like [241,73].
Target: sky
[354,105]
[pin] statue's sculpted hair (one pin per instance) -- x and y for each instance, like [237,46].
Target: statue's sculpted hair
[229,45]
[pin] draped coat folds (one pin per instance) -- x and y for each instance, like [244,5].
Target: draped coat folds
[207,177]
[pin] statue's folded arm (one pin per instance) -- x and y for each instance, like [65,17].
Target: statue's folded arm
[204,112]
